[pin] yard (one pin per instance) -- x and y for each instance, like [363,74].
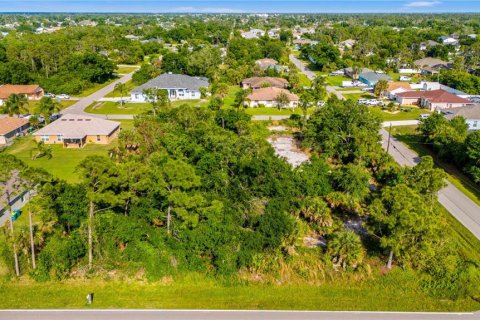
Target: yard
[110,107]
[126,69]
[275,111]
[304,81]
[357,96]
[33,104]
[413,114]
[64,161]
[336,81]
[94,88]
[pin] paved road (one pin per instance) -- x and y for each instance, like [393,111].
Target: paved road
[78,107]
[311,75]
[225,315]
[456,202]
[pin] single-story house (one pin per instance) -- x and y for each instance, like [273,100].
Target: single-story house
[371,78]
[431,65]
[74,131]
[429,85]
[349,72]
[267,97]
[396,87]
[433,100]
[31,91]
[10,127]
[259,82]
[266,63]
[349,43]
[470,113]
[448,40]
[298,43]
[253,34]
[178,86]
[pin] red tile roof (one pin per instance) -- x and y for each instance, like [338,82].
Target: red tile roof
[257,82]
[269,94]
[8,89]
[434,96]
[9,124]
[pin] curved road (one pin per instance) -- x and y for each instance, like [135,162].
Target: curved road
[227,315]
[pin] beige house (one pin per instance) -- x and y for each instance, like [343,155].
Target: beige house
[267,97]
[10,127]
[396,87]
[433,100]
[266,63]
[262,82]
[32,92]
[75,131]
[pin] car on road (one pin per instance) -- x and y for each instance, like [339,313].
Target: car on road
[49,95]
[63,96]
[423,116]
[369,89]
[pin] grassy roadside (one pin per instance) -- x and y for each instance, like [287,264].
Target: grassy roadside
[129,87]
[95,88]
[408,136]
[399,291]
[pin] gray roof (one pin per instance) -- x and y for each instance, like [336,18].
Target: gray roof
[468,112]
[78,126]
[374,76]
[174,81]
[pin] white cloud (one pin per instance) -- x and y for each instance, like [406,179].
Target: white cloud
[422,4]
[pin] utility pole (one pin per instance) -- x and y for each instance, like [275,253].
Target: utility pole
[389,137]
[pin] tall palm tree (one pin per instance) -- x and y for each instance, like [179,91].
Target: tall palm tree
[16,104]
[121,88]
[346,249]
[47,107]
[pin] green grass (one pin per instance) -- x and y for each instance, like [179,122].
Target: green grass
[125,69]
[304,81]
[336,81]
[129,87]
[126,124]
[409,136]
[94,89]
[398,290]
[414,114]
[63,162]
[357,96]
[32,105]
[229,100]
[110,107]
[350,89]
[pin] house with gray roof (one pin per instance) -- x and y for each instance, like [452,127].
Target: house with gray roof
[371,78]
[470,113]
[178,86]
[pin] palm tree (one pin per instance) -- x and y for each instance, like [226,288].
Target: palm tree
[306,101]
[16,104]
[121,88]
[380,87]
[42,150]
[346,249]
[47,107]
[241,97]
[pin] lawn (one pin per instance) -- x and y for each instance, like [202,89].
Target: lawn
[110,107]
[409,136]
[126,69]
[357,96]
[32,105]
[304,81]
[94,89]
[63,162]
[229,100]
[399,291]
[414,114]
[349,89]
[336,81]
[129,87]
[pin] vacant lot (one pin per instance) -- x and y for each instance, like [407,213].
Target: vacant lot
[129,87]
[63,162]
[336,81]
[413,114]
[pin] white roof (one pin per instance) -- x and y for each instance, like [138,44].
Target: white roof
[78,126]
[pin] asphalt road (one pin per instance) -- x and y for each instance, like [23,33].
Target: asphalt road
[78,107]
[456,202]
[225,315]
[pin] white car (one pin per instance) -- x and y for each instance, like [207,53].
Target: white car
[424,116]
[49,95]
[63,96]
[405,78]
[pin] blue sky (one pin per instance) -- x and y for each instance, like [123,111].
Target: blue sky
[237,6]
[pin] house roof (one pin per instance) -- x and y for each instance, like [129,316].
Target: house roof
[373,76]
[9,124]
[269,94]
[266,62]
[430,62]
[78,126]
[273,82]
[468,112]
[441,96]
[363,70]
[8,89]
[397,85]
[174,81]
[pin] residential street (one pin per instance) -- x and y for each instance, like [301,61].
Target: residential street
[225,315]
[458,204]
[78,107]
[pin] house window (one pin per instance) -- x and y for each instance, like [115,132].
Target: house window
[45,138]
[475,123]
[98,138]
[59,137]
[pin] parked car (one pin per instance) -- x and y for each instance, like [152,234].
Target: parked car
[63,96]
[423,116]
[405,78]
[369,89]
[49,95]
[363,101]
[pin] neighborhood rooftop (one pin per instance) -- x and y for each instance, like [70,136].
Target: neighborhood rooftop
[78,126]
[434,96]
[174,81]
[9,89]
[468,112]
[8,124]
